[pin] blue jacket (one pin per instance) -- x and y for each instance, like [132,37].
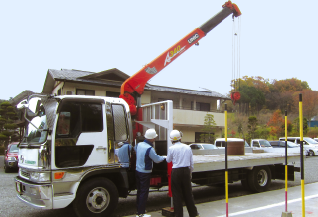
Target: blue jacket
[123,153]
[146,154]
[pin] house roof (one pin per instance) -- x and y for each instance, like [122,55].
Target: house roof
[21,96]
[111,77]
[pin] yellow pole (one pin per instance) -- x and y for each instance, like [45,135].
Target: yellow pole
[301,154]
[226,172]
[286,167]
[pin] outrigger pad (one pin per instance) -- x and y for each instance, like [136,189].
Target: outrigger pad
[168,211]
[287,214]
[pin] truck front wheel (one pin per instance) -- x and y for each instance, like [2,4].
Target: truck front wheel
[96,197]
[259,179]
[311,153]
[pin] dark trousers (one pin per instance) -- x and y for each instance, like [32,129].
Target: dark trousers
[143,183]
[182,190]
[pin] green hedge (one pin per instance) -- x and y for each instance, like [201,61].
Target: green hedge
[1,150]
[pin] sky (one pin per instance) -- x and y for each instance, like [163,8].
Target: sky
[276,40]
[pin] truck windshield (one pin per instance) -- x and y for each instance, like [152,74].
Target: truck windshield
[35,131]
[14,149]
[264,143]
[311,141]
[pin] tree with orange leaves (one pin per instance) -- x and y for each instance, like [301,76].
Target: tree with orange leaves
[310,103]
[275,123]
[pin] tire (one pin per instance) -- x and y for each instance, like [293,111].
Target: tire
[311,153]
[259,179]
[96,197]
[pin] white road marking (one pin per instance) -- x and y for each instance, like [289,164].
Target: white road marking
[268,206]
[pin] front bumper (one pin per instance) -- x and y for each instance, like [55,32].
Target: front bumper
[35,195]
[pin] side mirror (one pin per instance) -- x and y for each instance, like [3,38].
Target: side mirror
[23,104]
[34,105]
[5,152]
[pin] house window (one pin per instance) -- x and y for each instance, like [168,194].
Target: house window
[59,92]
[112,94]
[201,106]
[85,92]
[201,137]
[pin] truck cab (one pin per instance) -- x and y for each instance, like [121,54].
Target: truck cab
[68,141]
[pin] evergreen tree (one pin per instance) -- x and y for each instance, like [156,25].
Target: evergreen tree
[209,129]
[7,126]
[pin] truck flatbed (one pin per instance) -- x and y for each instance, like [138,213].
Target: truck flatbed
[217,162]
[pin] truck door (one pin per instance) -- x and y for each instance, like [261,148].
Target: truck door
[117,129]
[80,135]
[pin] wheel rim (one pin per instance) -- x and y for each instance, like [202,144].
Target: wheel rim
[262,177]
[97,200]
[311,153]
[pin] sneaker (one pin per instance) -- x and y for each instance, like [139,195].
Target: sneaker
[143,215]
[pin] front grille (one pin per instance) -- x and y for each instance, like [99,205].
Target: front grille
[25,174]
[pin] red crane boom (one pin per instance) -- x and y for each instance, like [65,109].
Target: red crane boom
[134,86]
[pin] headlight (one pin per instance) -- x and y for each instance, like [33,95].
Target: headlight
[40,177]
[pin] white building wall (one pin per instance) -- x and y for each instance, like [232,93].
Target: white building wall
[190,117]
[146,97]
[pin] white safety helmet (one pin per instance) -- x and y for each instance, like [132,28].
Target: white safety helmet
[150,134]
[175,135]
[120,144]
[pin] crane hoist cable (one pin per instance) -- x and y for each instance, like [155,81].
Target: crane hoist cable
[236,33]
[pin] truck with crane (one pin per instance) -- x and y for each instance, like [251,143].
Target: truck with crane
[67,155]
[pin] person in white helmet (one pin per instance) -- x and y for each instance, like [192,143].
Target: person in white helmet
[182,159]
[146,155]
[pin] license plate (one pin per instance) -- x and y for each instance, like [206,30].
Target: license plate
[18,185]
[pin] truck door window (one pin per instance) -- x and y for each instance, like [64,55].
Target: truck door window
[120,125]
[92,119]
[63,125]
[77,117]
[255,144]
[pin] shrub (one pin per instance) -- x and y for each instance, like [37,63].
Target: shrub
[313,132]
[1,150]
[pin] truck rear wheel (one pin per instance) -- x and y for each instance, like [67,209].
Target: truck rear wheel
[259,179]
[96,197]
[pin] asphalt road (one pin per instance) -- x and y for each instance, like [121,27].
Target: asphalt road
[10,206]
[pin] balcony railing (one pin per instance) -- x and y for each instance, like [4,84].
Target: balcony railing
[190,108]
